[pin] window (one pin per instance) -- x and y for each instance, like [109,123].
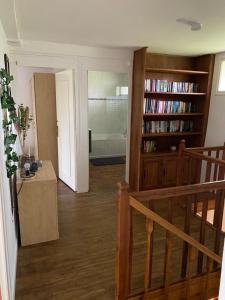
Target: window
[221,85]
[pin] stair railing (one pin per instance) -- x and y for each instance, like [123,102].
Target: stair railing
[203,164]
[127,203]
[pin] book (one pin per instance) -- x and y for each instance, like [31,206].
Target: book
[165,86]
[167,126]
[161,106]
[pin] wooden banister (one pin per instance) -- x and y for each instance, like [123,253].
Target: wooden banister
[184,190]
[148,271]
[195,196]
[204,157]
[123,252]
[173,229]
[200,149]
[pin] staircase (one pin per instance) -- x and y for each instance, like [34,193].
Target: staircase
[180,250]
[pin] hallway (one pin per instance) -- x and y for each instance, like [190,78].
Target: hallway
[81,264]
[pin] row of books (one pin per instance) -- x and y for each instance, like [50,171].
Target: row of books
[157,85]
[167,126]
[166,107]
[149,146]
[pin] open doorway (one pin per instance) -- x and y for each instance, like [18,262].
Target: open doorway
[50,96]
[107,121]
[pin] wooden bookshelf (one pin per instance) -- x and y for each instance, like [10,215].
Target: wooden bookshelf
[176,71]
[156,115]
[160,134]
[158,169]
[173,94]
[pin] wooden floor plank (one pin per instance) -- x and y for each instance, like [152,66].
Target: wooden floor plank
[81,265]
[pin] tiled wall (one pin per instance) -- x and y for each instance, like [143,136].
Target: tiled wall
[107,114]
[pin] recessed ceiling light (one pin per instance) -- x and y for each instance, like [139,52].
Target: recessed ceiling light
[193,24]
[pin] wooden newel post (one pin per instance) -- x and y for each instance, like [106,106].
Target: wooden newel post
[123,243]
[180,163]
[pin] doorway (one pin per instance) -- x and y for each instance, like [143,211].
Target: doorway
[50,95]
[107,121]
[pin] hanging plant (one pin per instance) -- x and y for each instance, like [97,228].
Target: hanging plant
[9,119]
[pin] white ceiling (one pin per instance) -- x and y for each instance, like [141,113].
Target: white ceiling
[122,23]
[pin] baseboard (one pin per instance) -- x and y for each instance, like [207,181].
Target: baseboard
[104,156]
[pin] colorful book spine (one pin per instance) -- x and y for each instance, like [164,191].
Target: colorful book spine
[167,126]
[165,86]
[155,106]
[149,146]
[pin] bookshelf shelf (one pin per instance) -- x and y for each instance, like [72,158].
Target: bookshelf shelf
[158,153]
[147,94]
[155,115]
[161,134]
[185,113]
[175,71]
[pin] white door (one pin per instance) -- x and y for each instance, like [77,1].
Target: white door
[65,103]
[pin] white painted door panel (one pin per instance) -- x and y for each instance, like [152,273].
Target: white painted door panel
[65,102]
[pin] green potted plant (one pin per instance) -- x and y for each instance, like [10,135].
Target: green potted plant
[24,120]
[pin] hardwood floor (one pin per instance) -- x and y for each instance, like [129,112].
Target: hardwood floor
[81,264]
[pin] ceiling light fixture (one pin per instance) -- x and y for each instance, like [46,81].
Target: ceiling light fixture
[195,26]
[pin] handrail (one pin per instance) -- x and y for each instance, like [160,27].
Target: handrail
[173,229]
[177,191]
[204,157]
[214,148]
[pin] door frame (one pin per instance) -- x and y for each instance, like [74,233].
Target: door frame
[102,65]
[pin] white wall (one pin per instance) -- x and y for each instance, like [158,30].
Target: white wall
[8,243]
[216,123]
[82,59]
[22,92]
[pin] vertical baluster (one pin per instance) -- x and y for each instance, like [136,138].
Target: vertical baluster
[202,232]
[208,168]
[167,265]
[149,254]
[204,216]
[168,252]
[123,279]
[215,175]
[191,257]
[131,248]
[190,170]
[205,294]
[187,226]
[197,172]
[220,195]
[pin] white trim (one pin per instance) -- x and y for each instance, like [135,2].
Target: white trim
[130,80]
[40,48]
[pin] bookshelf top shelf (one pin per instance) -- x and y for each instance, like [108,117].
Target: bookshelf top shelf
[186,133]
[171,93]
[175,71]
